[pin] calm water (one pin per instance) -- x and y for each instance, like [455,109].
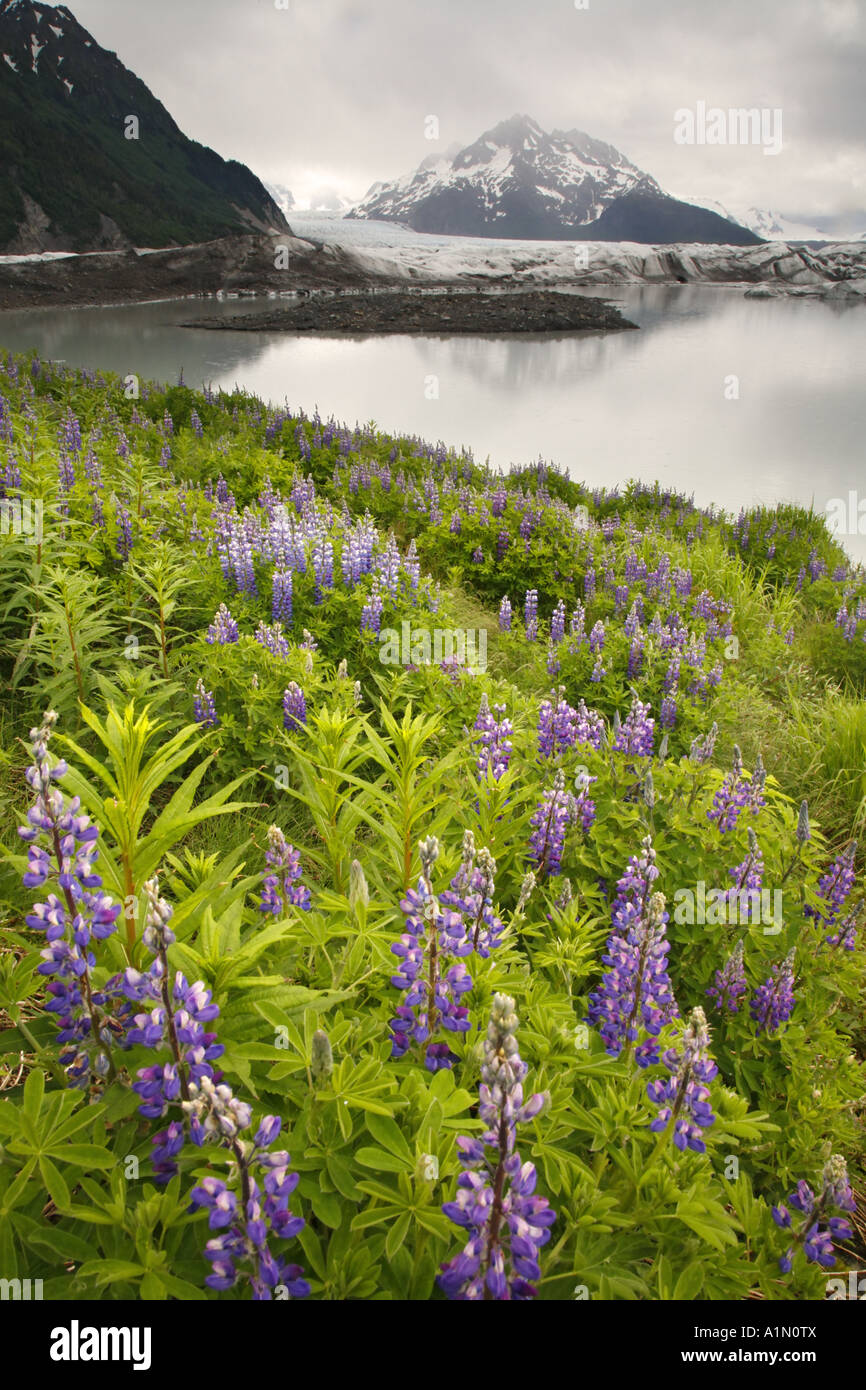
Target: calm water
[606,406]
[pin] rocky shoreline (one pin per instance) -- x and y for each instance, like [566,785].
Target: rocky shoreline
[440,311]
[237,265]
[258,265]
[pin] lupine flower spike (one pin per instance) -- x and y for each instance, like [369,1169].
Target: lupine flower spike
[471,893]
[496,1203]
[280,891]
[432,973]
[773,1001]
[818,1229]
[683,1099]
[730,984]
[62,847]
[635,997]
[245,1227]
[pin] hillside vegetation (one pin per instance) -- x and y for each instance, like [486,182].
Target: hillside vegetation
[434,883]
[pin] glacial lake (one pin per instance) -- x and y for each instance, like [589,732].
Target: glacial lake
[656,404]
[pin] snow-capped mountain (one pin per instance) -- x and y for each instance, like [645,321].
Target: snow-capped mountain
[775,226]
[518,181]
[76,171]
[769,225]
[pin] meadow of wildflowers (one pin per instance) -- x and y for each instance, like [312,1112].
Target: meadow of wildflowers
[324,977]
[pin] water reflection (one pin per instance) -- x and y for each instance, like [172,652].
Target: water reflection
[736,400]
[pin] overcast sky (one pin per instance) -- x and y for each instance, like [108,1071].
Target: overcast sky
[337,91]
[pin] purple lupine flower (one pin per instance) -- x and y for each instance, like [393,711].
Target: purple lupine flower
[213,1115]
[556,726]
[730,983]
[242,1245]
[70,432]
[223,629]
[494,735]
[773,1001]
[834,887]
[819,1229]
[732,797]
[634,888]
[637,731]
[271,637]
[596,638]
[281,597]
[240,554]
[371,615]
[196,424]
[748,878]
[588,726]
[844,933]
[124,531]
[471,893]
[505,615]
[757,785]
[635,656]
[557,623]
[175,1018]
[557,811]
[432,972]
[530,614]
[496,1203]
[61,843]
[204,709]
[279,890]
[584,806]
[702,750]
[683,1099]
[323,568]
[668,712]
[635,995]
[294,707]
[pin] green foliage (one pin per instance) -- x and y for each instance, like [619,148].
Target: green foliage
[375,769]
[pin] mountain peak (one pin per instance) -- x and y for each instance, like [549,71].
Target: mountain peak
[515,128]
[519,181]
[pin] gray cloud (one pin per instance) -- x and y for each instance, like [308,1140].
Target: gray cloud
[338,90]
